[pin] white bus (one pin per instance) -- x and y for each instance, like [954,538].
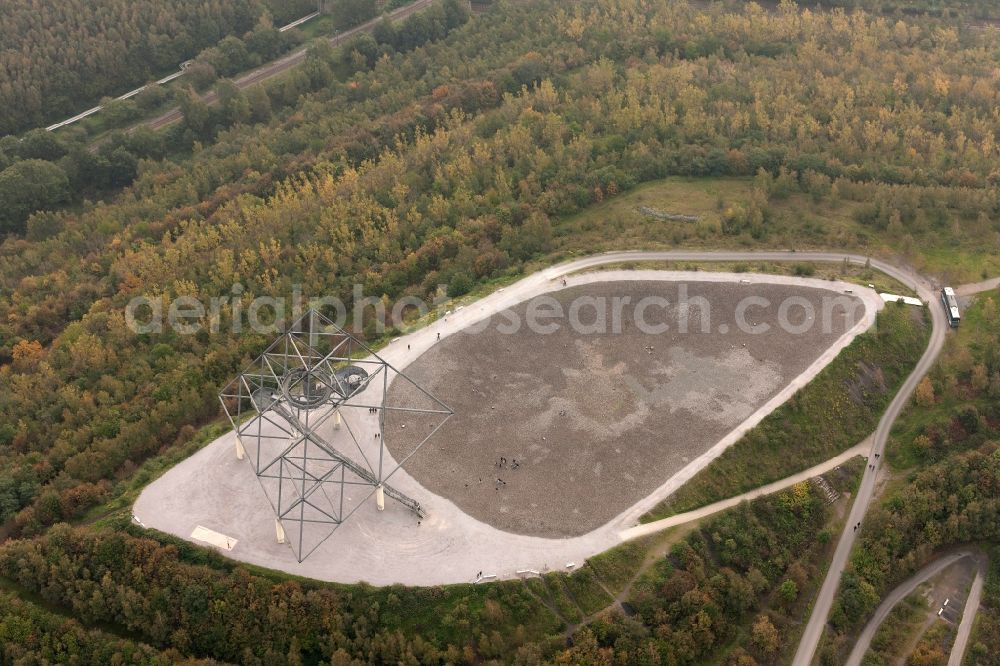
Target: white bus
[950,306]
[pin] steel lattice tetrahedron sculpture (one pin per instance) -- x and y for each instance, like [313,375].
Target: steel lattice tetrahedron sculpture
[310,417]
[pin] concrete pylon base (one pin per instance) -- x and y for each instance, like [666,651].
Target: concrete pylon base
[241,453]
[336,420]
[279,531]
[380,498]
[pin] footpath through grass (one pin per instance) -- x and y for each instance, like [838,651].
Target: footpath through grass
[835,411]
[898,631]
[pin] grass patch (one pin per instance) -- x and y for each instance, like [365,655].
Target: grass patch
[558,594]
[838,409]
[632,220]
[586,590]
[956,418]
[639,219]
[321,26]
[897,630]
[617,567]
[845,478]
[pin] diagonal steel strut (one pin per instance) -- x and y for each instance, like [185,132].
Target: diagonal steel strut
[265,400]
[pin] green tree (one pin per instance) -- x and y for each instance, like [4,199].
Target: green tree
[200,75]
[384,32]
[789,591]
[197,114]
[349,13]
[151,96]
[40,144]
[119,112]
[259,103]
[28,186]
[233,103]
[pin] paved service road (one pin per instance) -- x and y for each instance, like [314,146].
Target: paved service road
[902,591]
[968,616]
[291,60]
[821,608]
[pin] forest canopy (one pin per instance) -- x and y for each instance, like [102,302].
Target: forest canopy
[58,57]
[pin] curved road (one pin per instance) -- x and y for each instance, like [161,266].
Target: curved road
[902,591]
[928,293]
[821,608]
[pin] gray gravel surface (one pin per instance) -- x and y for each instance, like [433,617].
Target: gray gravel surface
[598,421]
